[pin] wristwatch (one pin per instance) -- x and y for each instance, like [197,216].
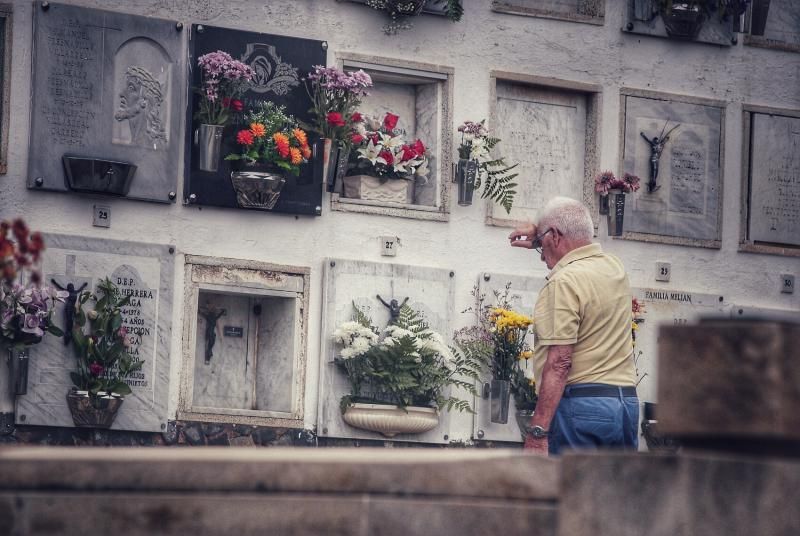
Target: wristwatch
[537,432]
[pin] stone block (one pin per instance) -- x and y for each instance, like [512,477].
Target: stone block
[627,494]
[734,379]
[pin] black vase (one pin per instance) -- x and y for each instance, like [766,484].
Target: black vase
[683,22]
[616,213]
[760,11]
[97,176]
[466,172]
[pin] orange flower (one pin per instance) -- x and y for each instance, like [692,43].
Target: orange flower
[258,130]
[282,144]
[300,136]
[297,158]
[306,151]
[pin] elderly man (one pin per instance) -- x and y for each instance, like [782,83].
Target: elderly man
[583,356]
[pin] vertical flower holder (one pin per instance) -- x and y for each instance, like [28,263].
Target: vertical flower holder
[18,360]
[759,13]
[324,152]
[466,172]
[208,139]
[499,399]
[616,212]
[340,158]
[89,411]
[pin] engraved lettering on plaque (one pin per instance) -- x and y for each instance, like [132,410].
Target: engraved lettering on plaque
[271,73]
[688,172]
[138,318]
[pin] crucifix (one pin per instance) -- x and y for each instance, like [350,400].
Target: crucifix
[211,316]
[657,144]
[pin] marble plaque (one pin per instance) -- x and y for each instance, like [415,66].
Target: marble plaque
[685,202]
[782,29]
[143,271]
[665,306]
[523,294]
[544,131]
[775,179]
[106,86]
[592,11]
[429,290]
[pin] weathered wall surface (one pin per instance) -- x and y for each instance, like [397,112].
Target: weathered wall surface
[484,41]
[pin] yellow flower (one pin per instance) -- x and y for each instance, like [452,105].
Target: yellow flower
[634,326]
[258,130]
[527,354]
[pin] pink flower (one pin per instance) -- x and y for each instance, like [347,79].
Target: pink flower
[357,138]
[96,369]
[122,332]
[356,117]
[408,153]
[387,156]
[419,148]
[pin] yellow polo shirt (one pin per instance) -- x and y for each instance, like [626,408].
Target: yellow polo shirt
[586,302]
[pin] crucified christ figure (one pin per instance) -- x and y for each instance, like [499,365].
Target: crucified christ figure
[656,147]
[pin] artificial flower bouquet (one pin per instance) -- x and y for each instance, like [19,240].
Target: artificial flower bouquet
[273,138]
[493,173]
[223,79]
[336,95]
[26,306]
[405,364]
[382,152]
[101,350]
[399,12]
[606,181]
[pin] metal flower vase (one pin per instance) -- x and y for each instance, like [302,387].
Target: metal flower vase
[499,399]
[466,172]
[208,139]
[93,411]
[616,212]
[257,189]
[18,360]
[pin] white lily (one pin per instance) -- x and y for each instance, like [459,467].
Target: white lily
[370,152]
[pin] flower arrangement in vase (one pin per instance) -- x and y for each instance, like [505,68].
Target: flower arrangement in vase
[26,305]
[683,19]
[383,167]
[222,80]
[272,146]
[400,11]
[100,344]
[606,183]
[476,167]
[406,365]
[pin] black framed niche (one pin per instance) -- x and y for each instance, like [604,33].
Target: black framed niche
[281,63]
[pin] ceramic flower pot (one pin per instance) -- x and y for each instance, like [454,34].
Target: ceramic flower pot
[97,176]
[390,420]
[257,189]
[208,140]
[372,189]
[466,172]
[93,411]
[18,360]
[683,21]
[616,212]
[499,398]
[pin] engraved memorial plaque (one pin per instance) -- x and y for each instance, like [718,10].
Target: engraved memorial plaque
[675,148]
[429,291]
[774,179]
[543,130]
[281,63]
[106,88]
[145,273]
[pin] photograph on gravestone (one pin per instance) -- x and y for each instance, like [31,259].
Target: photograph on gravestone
[280,65]
[773,206]
[544,129]
[142,271]
[589,11]
[675,146]
[106,103]
[774,24]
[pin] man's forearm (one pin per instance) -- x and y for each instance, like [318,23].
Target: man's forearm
[554,378]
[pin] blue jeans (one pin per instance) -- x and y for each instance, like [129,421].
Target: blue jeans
[593,422]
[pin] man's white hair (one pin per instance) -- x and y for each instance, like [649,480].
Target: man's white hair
[568,216]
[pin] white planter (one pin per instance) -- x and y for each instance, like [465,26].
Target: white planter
[391,420]
[372,189]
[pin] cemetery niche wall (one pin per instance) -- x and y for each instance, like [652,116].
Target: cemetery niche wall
[106,103]
[351,282]
[244,342]
[675,145]
[143,271]
[552,132]
[774,24]
[692,22]
[588,11]
[281,64]
[771,181]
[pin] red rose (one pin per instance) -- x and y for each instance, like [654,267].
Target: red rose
[388,157]
[335,119]
[356,117]
[408,153]
[357,138]
[374,139]
[96,369]
[390,121]
[419,148]
[237,105]
[244,137]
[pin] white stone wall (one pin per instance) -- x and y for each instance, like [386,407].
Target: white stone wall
[482,42]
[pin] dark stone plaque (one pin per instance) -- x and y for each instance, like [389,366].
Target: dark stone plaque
[281,63]
[106,87]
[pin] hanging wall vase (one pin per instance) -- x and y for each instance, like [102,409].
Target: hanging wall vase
[18,360]
[257,189]
[758,20]
[616,212]
[93,411]
[683,21]
[466,172]
[499,399]
[208,139]
[391,420]
[97,176]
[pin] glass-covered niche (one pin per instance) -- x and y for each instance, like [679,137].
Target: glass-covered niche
[244,342]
